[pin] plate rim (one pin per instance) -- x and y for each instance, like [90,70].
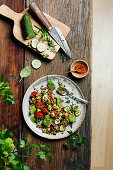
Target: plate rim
[80,93]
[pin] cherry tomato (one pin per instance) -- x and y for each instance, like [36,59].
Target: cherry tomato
[34,93]
[39,114]
[44,110]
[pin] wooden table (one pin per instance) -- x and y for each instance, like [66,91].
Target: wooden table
[13,57]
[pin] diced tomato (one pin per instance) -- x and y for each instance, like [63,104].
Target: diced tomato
[39,115]
[40,105]
[44,110]
[34,93]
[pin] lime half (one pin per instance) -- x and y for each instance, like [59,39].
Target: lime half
[36,64]
[41,47]
[34,42]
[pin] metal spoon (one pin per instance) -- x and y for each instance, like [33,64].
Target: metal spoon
[63,91]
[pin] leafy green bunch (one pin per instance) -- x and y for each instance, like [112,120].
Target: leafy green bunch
[5,94]
[75,140]
[10,156]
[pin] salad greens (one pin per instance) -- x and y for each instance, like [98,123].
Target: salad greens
[48,112]
[5,94]
[8,152]
[50,84]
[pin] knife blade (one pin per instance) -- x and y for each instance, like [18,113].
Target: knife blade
[54,32]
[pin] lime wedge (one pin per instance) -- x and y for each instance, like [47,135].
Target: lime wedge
[36,64]
[41,47]
[34,42]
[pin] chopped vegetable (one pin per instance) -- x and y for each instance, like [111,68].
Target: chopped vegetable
[34,42]
[61,90]
[59,102]
[67,109]
[72,118]
[74,107]
[32,109]
[34,93]
[77,113]
[62,128]
[36,64]
[41,47]
[51,85]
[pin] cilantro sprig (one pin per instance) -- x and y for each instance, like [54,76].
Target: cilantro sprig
[5,94]
[45,36]
[75,140]
[10,156]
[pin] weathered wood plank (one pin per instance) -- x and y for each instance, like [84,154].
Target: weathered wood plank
[11,62]
[77,15]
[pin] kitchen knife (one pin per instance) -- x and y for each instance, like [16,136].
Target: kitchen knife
[55,32]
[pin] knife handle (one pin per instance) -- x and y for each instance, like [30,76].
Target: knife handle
[34,7]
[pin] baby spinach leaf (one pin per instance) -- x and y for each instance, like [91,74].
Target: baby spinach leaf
[25,72]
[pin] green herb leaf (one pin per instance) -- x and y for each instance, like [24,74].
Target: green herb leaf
[28,44]
[51,85]
[45,55]
[5,94]
[50,159]
[68,101]
[53,50]
[52,71]
[42,155]
[36,32]
[22,143]
[26,71]
[28,139]
[75,46]
[63,57]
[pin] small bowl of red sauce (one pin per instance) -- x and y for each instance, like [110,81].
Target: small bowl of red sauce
[79,68]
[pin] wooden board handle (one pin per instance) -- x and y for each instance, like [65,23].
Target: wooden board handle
[7,12]
[40,15]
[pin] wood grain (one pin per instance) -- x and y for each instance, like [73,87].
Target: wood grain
[17,32]
[102,98]
[77,15]
[11,62]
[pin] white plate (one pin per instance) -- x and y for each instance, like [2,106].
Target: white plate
[72,87]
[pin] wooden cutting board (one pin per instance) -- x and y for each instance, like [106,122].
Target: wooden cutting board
[17,32]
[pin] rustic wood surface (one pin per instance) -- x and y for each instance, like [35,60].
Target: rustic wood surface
[13,56]
[16,17]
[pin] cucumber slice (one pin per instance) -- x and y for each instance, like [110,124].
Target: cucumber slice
[67,109]
[27,28]
[36,64]
[41,47]
[78,112]
[34,42]
[57,121]
[62,128]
